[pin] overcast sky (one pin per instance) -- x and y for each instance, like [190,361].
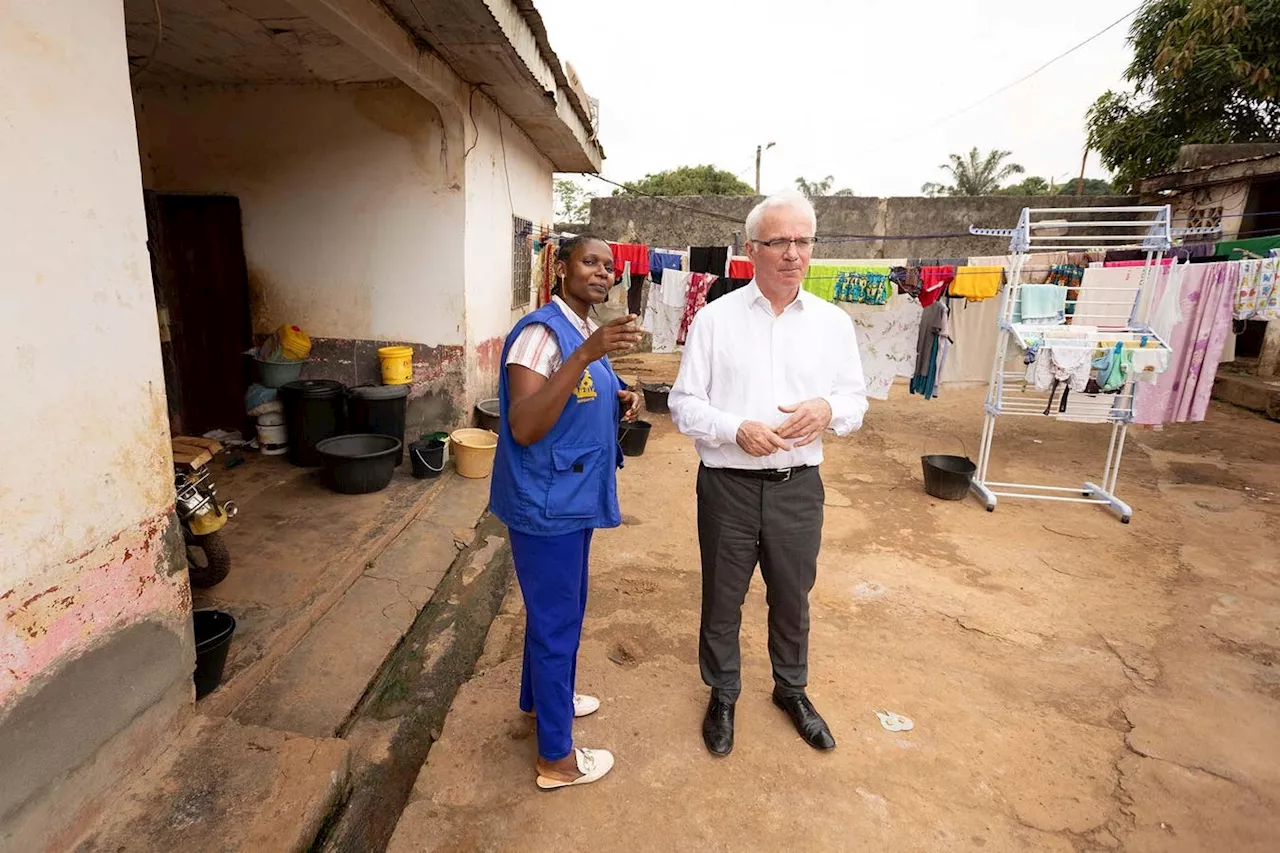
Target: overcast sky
[852,89]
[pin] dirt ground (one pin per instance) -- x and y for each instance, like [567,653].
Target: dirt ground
[1076,683]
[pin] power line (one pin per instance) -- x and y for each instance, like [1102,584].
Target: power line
[916,130]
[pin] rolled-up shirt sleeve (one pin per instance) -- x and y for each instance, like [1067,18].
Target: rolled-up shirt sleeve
[848,397]
[690,398]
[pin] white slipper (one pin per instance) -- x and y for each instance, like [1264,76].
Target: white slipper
[583,706]
[593,764]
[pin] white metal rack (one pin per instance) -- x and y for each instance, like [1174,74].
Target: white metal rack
[1102,318]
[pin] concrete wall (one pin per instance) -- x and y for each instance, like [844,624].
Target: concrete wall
[657,222]
[500,184]
[95,646]
[353,219]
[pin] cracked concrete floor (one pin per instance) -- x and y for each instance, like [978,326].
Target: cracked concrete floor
[1076,683]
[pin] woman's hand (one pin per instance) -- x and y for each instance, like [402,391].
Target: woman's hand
[615,336]
[630,405]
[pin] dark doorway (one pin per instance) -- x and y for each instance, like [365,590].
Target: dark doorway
[202,290]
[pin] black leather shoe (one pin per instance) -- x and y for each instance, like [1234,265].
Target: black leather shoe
[717,727]
[808,721]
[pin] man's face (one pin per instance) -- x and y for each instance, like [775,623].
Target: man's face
[784,265]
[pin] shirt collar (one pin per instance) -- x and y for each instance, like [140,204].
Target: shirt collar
[756,297]
[586,327]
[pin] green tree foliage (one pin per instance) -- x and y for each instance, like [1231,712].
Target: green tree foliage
[818,189]
[974,174]
[688,180]
[1036,185]
[573,204]
[1203,71]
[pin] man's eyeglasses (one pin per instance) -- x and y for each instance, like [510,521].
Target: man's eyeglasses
[781,244]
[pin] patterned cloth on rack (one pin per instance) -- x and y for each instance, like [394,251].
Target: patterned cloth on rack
[863,285]
[1256,297]
[1036,268]
[1068,276]
[695,301]
[886,341]
[902,278]
[1182,392]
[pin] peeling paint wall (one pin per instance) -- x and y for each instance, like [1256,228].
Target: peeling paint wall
[506,176]
[351,227]
[87,555]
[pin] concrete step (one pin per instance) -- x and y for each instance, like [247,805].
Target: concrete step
[318,684]
[1255,393]
[222,786]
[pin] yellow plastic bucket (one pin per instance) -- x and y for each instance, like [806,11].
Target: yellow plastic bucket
[473,452]
[397,365]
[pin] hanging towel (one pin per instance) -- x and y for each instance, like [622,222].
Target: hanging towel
[709,259]
[637,254]
[934,281]
[742,268]
[821,281]
[660,261]
[1041,303]
[977,283]
[675,284]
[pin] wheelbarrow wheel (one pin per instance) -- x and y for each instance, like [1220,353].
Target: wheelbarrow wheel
[208,560]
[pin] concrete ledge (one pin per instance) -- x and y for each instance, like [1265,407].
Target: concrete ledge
[1249,392]
[223,786]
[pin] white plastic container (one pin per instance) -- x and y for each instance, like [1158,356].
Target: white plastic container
[273,440]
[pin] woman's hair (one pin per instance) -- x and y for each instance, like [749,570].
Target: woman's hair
[565,253]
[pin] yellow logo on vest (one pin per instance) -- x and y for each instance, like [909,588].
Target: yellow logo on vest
[586,389]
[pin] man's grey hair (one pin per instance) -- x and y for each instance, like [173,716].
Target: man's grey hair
[785,199]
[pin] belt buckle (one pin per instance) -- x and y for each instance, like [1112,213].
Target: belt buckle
[786,474]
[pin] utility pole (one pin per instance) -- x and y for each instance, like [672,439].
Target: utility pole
[1083,161]
[760,149]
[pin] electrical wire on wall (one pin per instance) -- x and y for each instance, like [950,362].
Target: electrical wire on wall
[146,63]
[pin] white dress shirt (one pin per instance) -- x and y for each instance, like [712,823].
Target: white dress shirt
[742,362]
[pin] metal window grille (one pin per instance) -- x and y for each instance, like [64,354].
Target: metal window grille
[521,261]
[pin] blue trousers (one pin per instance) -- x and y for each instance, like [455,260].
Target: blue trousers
[553,580]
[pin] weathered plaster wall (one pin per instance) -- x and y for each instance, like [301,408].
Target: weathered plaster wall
[500,183]
[874,220]
[88,571]
[353,225]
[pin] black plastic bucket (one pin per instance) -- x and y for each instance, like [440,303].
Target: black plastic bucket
[655,398]
[947,477]
[314,409]
[378,409]
[633,437]
[427,457]
[488,414]
[213,630]
[358,464]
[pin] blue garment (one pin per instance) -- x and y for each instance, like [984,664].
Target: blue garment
[659,261]
[553,581]
[566,481]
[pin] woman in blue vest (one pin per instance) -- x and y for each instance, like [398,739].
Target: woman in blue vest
[555,482]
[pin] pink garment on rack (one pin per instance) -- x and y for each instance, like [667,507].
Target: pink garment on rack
[695,301]
[1182,392]
[1164,263]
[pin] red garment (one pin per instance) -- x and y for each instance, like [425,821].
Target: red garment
[637,254]
[934,282]
[741,268]
[695,301]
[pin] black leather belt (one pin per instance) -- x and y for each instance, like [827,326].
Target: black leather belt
[772,475]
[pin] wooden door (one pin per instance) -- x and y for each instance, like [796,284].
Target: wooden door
[202,290]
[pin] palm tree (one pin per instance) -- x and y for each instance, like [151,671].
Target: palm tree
[818,189]
[975,174]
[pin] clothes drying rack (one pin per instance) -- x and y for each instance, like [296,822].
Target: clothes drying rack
[1103,317]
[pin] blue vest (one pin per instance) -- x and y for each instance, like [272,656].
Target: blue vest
[567,481]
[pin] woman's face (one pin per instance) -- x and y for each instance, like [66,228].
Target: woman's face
[588,274]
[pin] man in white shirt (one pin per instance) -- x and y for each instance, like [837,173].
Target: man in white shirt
[766,371]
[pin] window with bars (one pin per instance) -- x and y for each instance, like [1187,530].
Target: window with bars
[521,262]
